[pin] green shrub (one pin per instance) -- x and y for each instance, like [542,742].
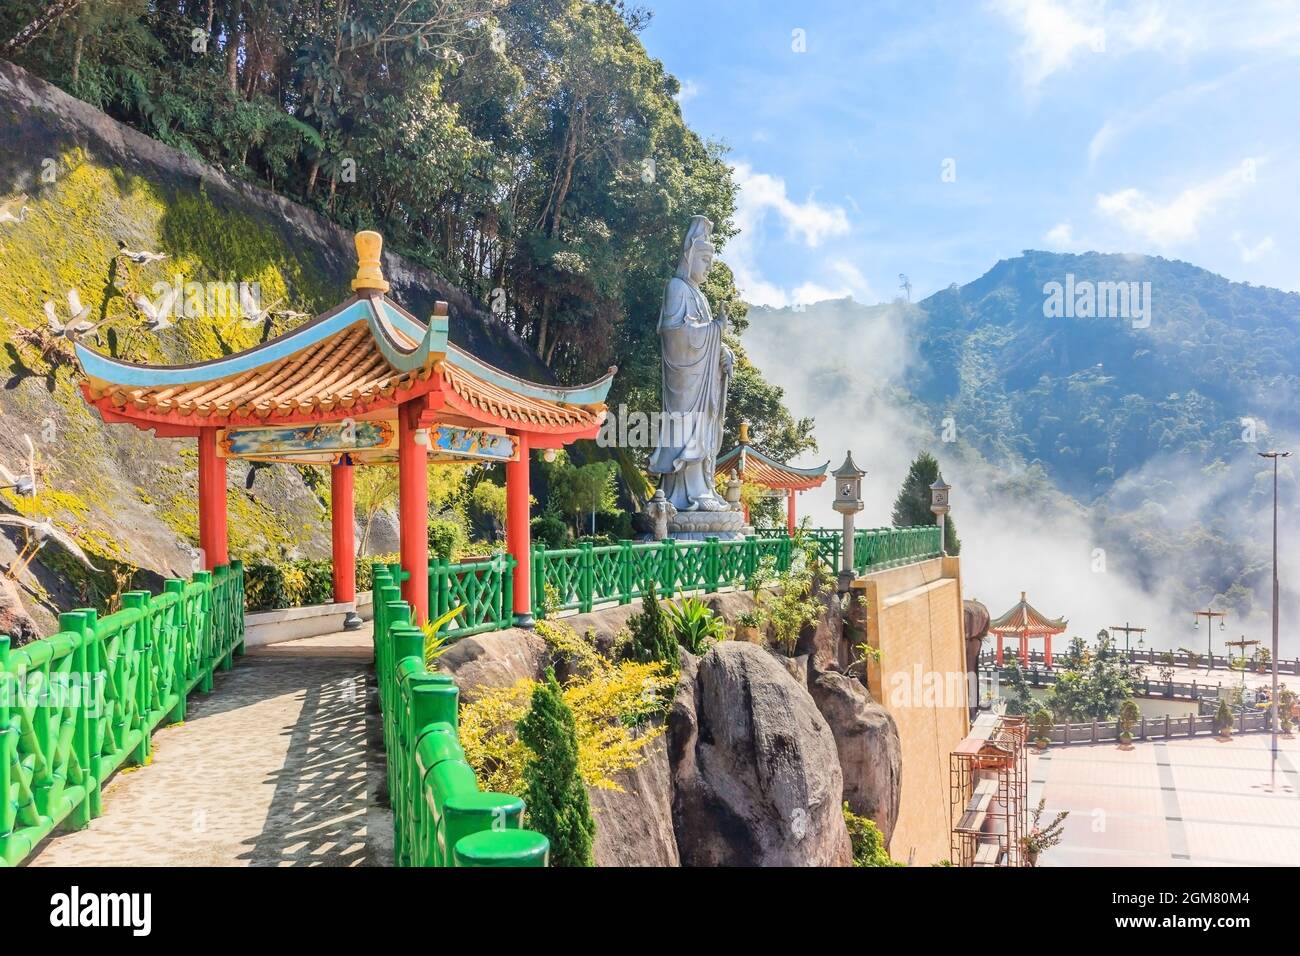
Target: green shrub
[695,626]
[867,840]
[448,539]
[652,635]
[550,530]
[269,587]
[554,793]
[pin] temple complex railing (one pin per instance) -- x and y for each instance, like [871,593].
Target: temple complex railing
[440,816]
[873,548]
[76,706]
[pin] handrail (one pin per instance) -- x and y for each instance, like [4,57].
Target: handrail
[77,705]
[440,817]
[581,577]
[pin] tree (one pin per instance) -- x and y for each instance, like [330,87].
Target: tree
[652,633]
[1020,701]
[582,490]
[374,489]
[557,802]
[912,506]
[1223,719]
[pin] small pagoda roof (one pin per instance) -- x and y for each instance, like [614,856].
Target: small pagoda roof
[358,360]
[759,469]
[1024,618]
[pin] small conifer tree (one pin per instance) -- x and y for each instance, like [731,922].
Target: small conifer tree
[652,634]
[912,506]
[556,798]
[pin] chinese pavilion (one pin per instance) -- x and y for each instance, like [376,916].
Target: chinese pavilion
[1024,622]
[366,383]
[778,479]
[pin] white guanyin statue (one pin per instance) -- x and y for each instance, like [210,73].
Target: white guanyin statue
[697,369]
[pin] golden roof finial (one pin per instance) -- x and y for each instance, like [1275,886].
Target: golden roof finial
[370,275]
[744,433]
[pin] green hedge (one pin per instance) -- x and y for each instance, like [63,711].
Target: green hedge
[270,587]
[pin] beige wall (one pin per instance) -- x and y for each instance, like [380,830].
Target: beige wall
[914,617]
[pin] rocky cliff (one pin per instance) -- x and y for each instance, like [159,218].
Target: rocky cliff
[80,186]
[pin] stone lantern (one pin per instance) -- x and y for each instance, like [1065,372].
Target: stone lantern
[939,505]
[848,502]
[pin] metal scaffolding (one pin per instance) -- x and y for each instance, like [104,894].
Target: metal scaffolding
[989,793]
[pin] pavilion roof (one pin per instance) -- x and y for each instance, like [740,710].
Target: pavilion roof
[1024,618]
[757,468]
[359,360]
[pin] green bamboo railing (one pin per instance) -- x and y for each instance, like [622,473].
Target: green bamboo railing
[76,706]
[581,578]
[440,816]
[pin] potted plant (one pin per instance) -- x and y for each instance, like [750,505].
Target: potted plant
[1042,727]
[1285,702]
[748,624]
[1039,837]
[1223,720]
[1128,716]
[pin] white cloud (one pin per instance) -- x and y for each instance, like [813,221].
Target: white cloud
[809,222]
[1249,253]
[1179,219]
[689,90]
[1056,34]
[1060,236]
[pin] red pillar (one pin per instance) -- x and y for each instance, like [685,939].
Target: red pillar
[999,650]
[518,533]
[1047,650]
[212,501]
[789,512]
[413,508]
[1024,649]
[343,532]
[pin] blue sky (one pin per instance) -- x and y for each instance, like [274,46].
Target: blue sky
[1151,127]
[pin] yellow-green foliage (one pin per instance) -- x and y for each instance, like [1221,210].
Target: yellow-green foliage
[69,240]
[610,703]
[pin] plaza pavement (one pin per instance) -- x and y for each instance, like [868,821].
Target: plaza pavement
[1194,801]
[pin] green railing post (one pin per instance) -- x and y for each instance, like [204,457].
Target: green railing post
[83,732]
[9,751]
[505,591]
[668,569]
[586,578]
[625,574]
[539,581]
[139,601]
[749,561]
[712,565]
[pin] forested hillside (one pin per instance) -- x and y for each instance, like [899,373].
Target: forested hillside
[530,152]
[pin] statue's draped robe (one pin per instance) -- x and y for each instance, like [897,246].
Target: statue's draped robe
[694,396]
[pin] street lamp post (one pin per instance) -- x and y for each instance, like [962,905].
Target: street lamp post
[1275,455]
[1128,630]
[1209,616]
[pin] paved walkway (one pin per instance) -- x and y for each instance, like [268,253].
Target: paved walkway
[1188,801]
[270,769]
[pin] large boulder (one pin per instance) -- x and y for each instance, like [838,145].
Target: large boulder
[756,775]
[497,659]
[870,750]
[634,827]
[824,641]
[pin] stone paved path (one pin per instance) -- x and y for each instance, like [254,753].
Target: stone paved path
[270,769]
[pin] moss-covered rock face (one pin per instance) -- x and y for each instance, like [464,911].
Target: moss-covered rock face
[127,496]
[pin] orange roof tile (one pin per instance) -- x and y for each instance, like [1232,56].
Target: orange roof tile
[1023,618]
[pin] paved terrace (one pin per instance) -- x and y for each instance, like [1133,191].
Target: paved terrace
[270,769]
[1184,802]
